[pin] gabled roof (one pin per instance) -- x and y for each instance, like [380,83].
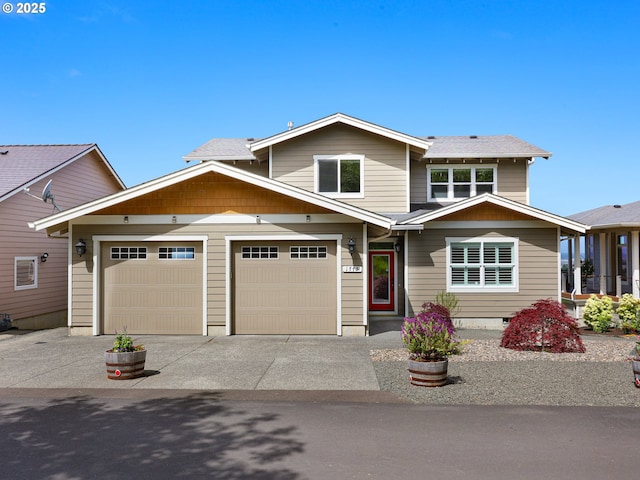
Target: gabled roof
[488,146]
[343,119]
[611,216]
[421,217]
[244,148]
[216,167]
[24,165]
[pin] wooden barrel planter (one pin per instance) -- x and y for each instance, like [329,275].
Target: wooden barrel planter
[635,363]
[428,374]
[125,365]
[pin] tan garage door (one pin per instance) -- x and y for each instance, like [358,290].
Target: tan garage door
[152,287]
[285,287]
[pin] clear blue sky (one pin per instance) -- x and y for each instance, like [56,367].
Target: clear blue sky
[150,81]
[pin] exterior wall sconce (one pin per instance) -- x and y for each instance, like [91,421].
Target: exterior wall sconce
[43,257]
[397,247]
[81,248]
[352,245]
[257,218]
[308,218]
[126,219]
[174,219]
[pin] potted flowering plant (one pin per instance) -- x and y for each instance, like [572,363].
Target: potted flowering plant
[125,360]
[430,338]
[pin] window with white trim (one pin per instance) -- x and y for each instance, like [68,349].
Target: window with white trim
[339,175]
[482,264]
[128,253]
[262,252]
[25,273]
[176,253]
[307,252]
[450,183]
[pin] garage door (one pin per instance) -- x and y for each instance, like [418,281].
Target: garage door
[152,287]
[285,288]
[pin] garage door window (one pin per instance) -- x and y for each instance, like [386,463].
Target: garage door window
[260,252]
[176,253]
[308,252]
[128,253]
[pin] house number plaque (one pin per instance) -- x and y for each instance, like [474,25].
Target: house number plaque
[352,269]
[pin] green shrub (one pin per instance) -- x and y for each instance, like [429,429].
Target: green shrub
[598,313]
[629,312]
[449,301]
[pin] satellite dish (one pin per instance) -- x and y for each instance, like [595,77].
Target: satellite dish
[46,195]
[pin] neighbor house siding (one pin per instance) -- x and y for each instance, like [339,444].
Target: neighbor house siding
[352,284]
[385,188]
[81,181]
[538,272]
[512,178]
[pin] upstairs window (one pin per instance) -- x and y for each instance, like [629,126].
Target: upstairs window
[446,183]
[482,265]
[339,175]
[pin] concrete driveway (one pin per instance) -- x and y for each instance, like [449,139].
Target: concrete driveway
[51,359]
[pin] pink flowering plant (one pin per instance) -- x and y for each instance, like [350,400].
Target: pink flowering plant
[430,335]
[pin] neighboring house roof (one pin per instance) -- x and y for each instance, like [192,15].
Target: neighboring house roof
[489,146]
[24,165]
[216,167]
[610,216]
[423,216]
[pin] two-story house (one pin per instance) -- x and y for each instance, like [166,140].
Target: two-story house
[313,231]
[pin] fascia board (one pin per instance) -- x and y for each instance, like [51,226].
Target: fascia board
[216,167]
[340,118]
[455,156]
[502,202]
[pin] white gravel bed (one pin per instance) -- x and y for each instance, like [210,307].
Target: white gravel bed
[597,350]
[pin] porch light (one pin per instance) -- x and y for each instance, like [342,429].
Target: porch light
[43,257]
[352,245]
[397,247]
[81,248]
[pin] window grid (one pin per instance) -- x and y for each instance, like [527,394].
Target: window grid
[176,253]
[482,264]
[307,252]
[261,252]
[128,253]
[457,183]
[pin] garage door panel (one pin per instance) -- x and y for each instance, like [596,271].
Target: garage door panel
[284,295]
[152,295]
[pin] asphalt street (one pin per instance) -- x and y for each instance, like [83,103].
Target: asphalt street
[115,434]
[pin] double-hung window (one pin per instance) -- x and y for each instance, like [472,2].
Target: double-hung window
[25,273]
[482,264]
[450,183]
[339,175]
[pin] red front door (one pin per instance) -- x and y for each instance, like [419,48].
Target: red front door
[381,281]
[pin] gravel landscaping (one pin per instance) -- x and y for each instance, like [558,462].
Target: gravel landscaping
[486,374]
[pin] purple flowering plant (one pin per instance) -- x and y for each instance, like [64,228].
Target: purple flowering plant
[430,335]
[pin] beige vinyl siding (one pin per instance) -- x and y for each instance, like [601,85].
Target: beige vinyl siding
[512,178]
[352,283]
[538,271]
[83,180]
[385,187]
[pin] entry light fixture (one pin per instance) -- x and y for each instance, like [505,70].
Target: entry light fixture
[43,257]
[397,247]
[174,219]
[308,218]
[81,248]
[352,245]
[126,219]
[258,220]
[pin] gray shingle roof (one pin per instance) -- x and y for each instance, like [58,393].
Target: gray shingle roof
[223,149]
[610,215]
[486,146]
[19,164]
[491,146]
